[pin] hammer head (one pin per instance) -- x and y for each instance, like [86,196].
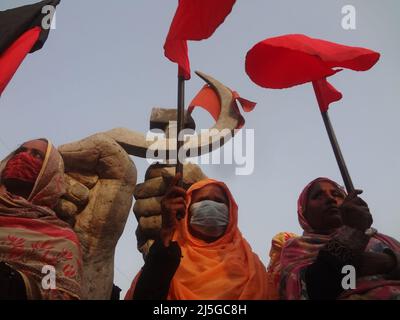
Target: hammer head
[160,119]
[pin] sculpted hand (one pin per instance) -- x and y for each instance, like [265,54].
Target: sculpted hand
[100,180]
[148,197]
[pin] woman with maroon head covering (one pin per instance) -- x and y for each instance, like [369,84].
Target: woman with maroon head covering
[40,256]
[338,233]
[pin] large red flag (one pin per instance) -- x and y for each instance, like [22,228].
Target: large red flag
[294,59]
[194,20]
[23,30]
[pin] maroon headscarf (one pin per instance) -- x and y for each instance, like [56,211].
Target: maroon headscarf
[303,198]
[32,236]
[299,253]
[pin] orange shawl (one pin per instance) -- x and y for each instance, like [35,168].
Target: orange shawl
[226,269]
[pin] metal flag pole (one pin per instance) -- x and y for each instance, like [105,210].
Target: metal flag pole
[180,126]
[335,145]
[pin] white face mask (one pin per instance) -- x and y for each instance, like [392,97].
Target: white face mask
[209,218]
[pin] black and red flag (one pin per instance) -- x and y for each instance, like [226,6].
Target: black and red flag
[23,30]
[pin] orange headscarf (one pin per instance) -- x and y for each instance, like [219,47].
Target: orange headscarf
[224,269]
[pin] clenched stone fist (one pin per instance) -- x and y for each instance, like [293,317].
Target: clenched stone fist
[148,197]
[100,181]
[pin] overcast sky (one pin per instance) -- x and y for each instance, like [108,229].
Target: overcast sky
[103,67]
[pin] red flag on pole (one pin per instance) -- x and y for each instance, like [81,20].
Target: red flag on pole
[208,99]
[194,20]
[294,59]
[22,31]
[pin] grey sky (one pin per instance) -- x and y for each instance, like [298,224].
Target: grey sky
[103,67]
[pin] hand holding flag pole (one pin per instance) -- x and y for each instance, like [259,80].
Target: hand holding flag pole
[294,59]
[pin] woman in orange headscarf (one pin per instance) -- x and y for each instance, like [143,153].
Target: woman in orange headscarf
[204,255]
[34,242]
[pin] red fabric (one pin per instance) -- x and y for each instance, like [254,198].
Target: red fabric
[290,60]
[209,100]
[12,58]
[39,226]
[24,167]
[325,93]
[193,20]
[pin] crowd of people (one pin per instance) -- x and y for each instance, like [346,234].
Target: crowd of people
[200,252]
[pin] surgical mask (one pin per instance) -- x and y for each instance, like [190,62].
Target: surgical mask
[209,218]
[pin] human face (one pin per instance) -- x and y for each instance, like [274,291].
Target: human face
[36,148]
[210,192]
[23,168]
[322,209]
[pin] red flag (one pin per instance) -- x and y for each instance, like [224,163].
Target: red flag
[209,100]
[291,60]
[326,94]
[193,20]
[21,32]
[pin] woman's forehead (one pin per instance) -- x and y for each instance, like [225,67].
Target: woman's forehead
[210,190]
[324,185]
[36,144]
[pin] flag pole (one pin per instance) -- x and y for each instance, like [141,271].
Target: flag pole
[180,125]
[335,145]
[338,153]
